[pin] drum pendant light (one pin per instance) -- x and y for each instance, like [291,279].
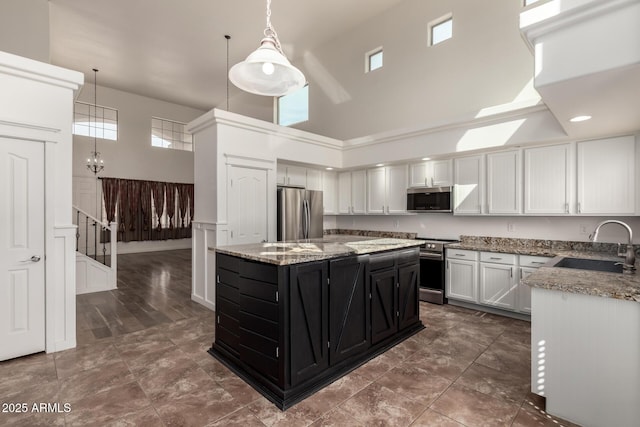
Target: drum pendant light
[267,71]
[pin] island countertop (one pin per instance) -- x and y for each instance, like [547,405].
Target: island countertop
[327,247]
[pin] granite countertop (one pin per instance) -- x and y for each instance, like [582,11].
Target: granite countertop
[327,247]
[588,282]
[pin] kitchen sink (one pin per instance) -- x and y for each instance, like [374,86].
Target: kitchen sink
[590,264]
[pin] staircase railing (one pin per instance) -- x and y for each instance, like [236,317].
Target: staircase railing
[95,238]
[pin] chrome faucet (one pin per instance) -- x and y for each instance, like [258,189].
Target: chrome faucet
[630,255]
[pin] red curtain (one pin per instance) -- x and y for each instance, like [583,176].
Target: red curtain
[110,197]
[171,202]
[133,200]
[158,199]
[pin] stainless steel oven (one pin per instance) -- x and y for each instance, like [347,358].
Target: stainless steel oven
[432,266]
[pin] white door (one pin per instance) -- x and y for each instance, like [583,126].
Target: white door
[468,192]
[248,213]
[359,191]
[462,280]
[503,183]
[330,192]
[22,311]
[376,201]
[547,182]
[440,173]
[497,285]
[344,193]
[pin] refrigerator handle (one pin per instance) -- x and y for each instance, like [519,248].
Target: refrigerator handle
[305,225]
[308,219]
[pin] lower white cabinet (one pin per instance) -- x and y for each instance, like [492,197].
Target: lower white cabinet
[462,275]
[497,280]
[491,279]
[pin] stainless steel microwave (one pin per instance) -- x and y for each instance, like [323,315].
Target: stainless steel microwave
[429,199]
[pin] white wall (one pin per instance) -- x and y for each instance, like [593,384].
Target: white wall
[24,28]
[132,156]
[448,226]
[485,64]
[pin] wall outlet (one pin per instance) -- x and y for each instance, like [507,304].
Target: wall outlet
[511,227]
[396,224]
[583,229]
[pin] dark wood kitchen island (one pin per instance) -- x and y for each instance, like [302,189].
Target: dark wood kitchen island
[292,317]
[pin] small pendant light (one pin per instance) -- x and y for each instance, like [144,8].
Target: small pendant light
[267,71]
[94,163]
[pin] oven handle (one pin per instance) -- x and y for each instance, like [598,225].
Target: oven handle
[431,255]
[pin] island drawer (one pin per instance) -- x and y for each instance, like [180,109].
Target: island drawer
[382,261]
[533,261]
[497,258]
[228,262]
[257,271]
[462,254]
[258,289]
[228,292]
[258,325]
[258,307]
[409,256]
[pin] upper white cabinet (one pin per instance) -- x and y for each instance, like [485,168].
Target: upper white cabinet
[434,173]
[352,192]
[291,175]
[314,179]
[387,190]
[504,187]
[606,176]
[330,192]
[468,190]
[548,179]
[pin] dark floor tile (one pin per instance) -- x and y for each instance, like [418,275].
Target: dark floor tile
[472,408]
[378,405]
[430,418]
[104,377]
[70,362]
[110,405]
[502,385]
[414,382]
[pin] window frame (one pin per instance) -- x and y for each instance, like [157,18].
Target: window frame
[172,141]
[276,109]
[432,25]
[98,131]
[369,55]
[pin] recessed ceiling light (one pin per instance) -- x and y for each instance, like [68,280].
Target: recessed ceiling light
[577,119]
[329,169]
[380,164]
[426,158]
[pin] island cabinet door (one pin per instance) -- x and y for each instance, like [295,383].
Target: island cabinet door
[408,295]
[384,315]
[349,311]
[309,300]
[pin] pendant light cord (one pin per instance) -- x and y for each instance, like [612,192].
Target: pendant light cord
[226,36]
[95,110]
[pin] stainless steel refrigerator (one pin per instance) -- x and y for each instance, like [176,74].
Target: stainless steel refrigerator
[299,214]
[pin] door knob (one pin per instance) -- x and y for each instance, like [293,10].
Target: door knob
[34,258]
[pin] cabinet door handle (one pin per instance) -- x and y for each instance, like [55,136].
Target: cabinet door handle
[538,262]
[494,257]
[460,255]
[511,271]
[425,182]
[579,208]
[566,207]
[520,274]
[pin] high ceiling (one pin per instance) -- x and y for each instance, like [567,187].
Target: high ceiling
[176,51]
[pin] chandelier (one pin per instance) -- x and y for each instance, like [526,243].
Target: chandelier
[267,71]
[94,163]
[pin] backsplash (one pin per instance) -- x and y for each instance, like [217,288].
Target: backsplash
[550,245]
[372,233]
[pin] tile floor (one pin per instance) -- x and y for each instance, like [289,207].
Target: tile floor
[141,361]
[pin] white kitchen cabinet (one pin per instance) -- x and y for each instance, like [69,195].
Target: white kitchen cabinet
[528,264]
[314,179]
[330,192]
[548,180]
[387,190]
[504,187]
[606,176]
[498,282]
[291,175]
[376,191]
[434,173]
[352,194]
[468,190]
[462,275]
